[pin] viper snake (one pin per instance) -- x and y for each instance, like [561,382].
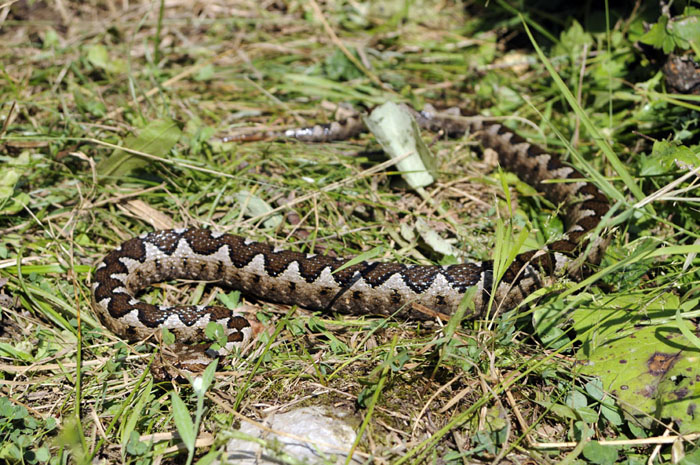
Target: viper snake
[324,283]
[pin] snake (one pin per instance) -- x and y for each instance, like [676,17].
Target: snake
[329,284]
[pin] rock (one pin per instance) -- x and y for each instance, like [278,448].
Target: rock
[310,435]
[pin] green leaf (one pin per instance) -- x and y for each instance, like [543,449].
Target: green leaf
[656,36]
[183,421]
[42,454]
[572,41]
[51,39]
[599,454]
[687,29]
[682,32]
[205,73]
[692,457]
[254,207]
[685,328]
[10,451]
[507,248]
[207,378]
[546,320]
[365,395]
[398,134]
[135,446]
[156,139]
[652,371]
[664,157]
[15,352]
[91,105]
[563,411]
[11,200]
[579,404]
[15,204]
[495,418]
[607,404]
[598,323]
[576,399]
[6,408]
[8,179]
[339,68]
[230,300]
[168,336]
[215,332]
[98,56]
[434,240]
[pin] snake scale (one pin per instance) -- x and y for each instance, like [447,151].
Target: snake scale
[319,282]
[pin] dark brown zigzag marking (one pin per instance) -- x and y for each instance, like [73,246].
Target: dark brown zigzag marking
[368,287]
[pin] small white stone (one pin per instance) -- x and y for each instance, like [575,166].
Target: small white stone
[327,438]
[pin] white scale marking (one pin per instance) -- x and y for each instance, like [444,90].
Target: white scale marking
[121,277]
[256,265]
[292,273]
[521,148]
[130,263]
[132,319]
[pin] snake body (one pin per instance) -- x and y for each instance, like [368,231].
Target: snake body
[319,282]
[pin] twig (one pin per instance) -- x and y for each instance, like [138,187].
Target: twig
[657,449]
[665,439]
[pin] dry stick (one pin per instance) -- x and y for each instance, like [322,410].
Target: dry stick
[8,118]
[511,401]
[657,449]
[664,190]
[469,196]
[521,421]
[665,439]
[7,4]
[433,397]
[203,440]
[334,38]
[8,262]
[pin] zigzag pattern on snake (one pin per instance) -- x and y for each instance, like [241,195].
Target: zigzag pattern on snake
[319,282]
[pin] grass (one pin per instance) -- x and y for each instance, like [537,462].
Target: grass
[112,123]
